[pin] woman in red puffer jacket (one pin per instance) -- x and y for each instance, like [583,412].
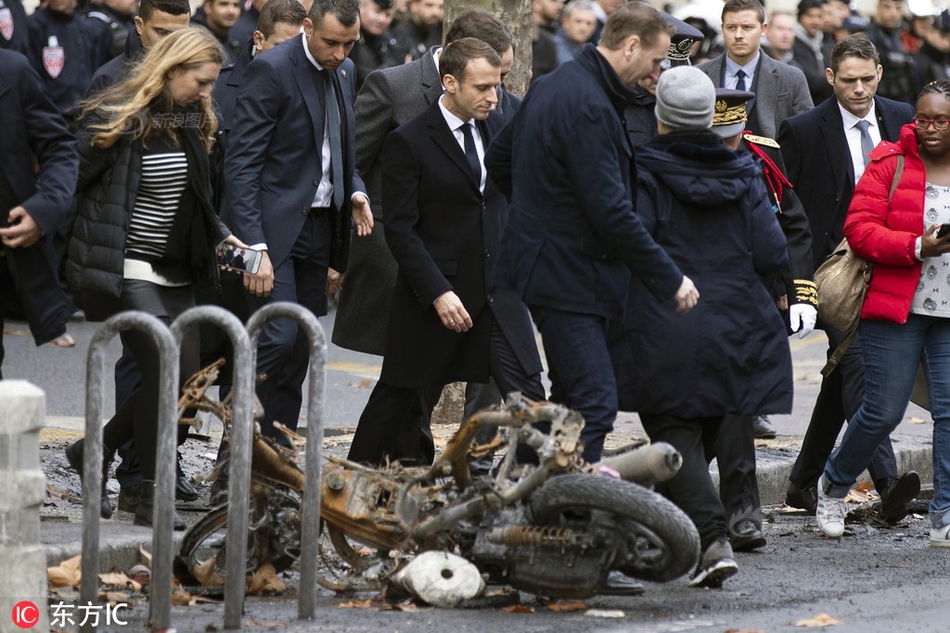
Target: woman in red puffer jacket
[905,320]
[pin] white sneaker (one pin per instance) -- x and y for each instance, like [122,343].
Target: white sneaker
[831,512]
[940,537]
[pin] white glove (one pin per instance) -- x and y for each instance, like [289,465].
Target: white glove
[802,315]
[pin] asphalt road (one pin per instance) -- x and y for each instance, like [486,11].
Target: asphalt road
[873,579]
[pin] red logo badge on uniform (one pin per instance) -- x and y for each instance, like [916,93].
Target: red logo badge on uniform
[6,24]
[53,59]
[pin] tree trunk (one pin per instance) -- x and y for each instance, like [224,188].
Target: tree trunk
[517,15]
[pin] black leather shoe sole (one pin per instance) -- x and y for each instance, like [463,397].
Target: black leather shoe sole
[747,542]
[806,500]
[620,585]
[894,501]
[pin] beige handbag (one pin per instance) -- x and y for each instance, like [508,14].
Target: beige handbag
[842,282]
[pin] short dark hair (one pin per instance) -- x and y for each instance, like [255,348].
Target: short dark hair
[634,18]
[857,45]
[171,7]
[483,26]
[734,6]
[282,11]
[346,11]
[456,55]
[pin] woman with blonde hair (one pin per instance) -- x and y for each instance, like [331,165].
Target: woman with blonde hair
[145,227]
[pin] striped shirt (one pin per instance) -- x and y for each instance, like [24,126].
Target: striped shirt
[164,175]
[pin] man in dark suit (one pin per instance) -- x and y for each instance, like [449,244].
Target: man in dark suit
[573,238]
[390,98]
[292,184]
[33,204]
[781,90]
[444,219]
[825,155]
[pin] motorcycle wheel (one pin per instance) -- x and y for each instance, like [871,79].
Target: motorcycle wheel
[657,541]
[207,539]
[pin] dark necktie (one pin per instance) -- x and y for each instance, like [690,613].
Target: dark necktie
[740,82]
[334,127]
[866,143]
[471,154]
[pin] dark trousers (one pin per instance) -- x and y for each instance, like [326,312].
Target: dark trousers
[839,398]
[582,376]
[735,456]
[692,488]
[283,352]
[386,417]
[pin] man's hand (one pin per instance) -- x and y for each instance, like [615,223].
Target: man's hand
[452,312]
[23,230]
[263,282]
[362,215]
[687,296]
[334,283]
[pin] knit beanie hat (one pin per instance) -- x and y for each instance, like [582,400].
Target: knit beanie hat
[685,97]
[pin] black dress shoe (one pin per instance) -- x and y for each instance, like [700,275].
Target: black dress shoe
[896,493]
[804,499]
[762,428]
[129,497]
[74,455]
[746,536]
[146,508]
[619,584]
[184,491]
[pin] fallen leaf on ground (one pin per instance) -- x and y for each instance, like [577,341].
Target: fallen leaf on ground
[518,608]
[356,604]
[67,574]
[118,579]
[202,600]
[146,556]
[181,598]
[820,620]
[206,575]
[913,419]
[567,605]
[408,606]
[265,580]
[115,597]
[863,492]
[64,341]
[15,332]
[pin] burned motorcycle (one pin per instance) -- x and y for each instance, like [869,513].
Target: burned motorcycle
[554,528]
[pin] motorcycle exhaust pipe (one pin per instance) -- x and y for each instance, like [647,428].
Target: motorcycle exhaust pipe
[647,465]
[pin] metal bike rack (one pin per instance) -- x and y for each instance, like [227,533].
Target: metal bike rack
[168,342]
[310,528]
[242,429]
[92,457]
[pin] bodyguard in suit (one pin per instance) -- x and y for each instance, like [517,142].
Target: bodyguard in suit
[825,153]
[781,90]
[33,204]
[444,218]
[292,182]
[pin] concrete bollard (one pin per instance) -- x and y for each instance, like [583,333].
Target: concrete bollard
[23,604]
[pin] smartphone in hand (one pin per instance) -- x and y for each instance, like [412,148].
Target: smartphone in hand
[242,260]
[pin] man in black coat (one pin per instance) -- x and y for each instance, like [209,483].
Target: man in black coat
[32,205]
[444,218]
[824,157]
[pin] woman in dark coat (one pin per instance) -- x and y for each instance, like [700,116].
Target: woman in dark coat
[145,228]
[707,207]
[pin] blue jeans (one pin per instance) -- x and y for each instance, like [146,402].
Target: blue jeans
[582,377]
[892,353]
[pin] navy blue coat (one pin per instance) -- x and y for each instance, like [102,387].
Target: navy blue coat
[32,126]
[272,168]
[565,164]
[707,206]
